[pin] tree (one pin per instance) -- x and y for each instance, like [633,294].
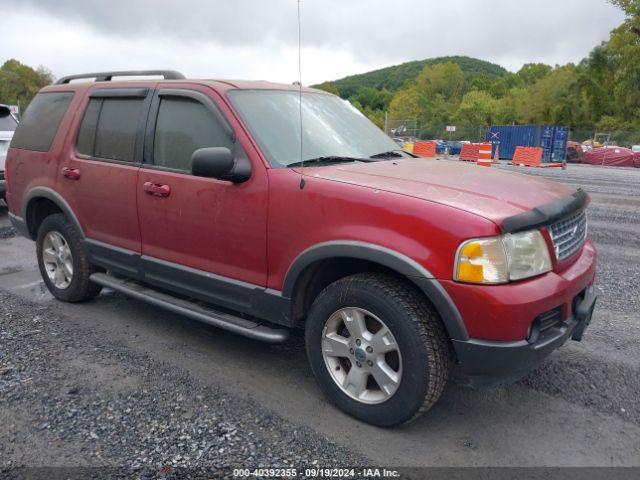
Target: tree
[405,104]
[552,98]
[329,87]
[530,73]
[19,83]
[477,108]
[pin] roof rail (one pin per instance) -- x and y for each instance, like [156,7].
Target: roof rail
[108,76]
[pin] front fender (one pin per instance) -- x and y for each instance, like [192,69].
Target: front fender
[391,259]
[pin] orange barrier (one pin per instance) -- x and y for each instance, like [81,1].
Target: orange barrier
[484,155]
[528,156]
[469,153]
[425,149]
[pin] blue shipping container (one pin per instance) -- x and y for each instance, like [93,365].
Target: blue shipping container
[552,139]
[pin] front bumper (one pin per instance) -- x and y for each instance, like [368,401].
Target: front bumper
[508,331]
[489,363]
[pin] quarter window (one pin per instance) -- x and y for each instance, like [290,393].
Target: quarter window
[184,126]
[40,123]
[109,128]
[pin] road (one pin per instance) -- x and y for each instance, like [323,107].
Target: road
[580,408]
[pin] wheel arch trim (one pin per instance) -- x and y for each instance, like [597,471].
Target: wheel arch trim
[57,199]
[386,257]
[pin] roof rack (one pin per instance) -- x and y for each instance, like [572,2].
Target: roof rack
[108,76]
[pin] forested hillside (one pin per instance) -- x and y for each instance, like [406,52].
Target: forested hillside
[602,92]
[394,78]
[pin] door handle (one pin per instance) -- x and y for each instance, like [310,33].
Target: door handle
[71,173]
[157,189]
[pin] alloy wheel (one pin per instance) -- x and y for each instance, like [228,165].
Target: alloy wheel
[57,259]
[362,355]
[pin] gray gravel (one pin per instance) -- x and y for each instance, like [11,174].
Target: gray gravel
[97,403]
[7,232]
[115,382]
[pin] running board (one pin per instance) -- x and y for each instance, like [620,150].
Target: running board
[192,310]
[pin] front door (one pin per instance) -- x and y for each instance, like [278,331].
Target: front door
[202,237]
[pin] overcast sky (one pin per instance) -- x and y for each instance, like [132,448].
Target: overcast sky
[257,39]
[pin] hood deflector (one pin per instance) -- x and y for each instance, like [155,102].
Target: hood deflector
[546,214]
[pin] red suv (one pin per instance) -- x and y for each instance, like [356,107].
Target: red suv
[257,207]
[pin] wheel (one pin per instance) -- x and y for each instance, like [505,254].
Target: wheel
[377,348]
[63,261]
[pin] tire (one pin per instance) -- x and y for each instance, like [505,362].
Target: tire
[418,371]
[77,287]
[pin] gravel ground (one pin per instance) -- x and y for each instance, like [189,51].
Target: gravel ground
[109,406]
[117,383]
[7,232]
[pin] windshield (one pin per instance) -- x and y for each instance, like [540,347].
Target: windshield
[332,127]
[7,122]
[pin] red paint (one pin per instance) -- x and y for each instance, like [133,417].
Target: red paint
[254,231]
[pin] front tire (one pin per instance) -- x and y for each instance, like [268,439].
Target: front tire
[377,348]
[63,261]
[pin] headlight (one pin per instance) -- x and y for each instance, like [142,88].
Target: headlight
[501,259]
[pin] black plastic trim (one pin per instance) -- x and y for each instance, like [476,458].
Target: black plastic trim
[49,194]
[396,261]
[490,363]
[119,93]
[546,214]
[194,311]
[114,259]
[236,295]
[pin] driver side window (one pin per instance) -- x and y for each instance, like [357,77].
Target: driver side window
[183,126]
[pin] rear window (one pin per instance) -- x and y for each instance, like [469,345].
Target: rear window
[7,122]
[109,128]
[40,123]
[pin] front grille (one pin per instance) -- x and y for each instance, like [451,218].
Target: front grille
[569,234]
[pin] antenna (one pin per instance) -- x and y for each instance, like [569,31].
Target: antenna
[300,93]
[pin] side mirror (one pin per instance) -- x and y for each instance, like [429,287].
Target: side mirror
[220,163]
[212,162]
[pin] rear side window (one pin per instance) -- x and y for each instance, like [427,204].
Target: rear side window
[183,126]
[7,122]
[41,121]
[109,128]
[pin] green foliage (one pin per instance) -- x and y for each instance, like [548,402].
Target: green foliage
[477,108]
[530,73]
[396,77]
[328,87]
[601,92]
[19,83]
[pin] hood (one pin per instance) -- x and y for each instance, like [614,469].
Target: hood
[490,193]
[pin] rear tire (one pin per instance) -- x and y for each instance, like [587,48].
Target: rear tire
[391,370]
[63,261]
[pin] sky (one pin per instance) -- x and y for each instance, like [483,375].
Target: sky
[258,39]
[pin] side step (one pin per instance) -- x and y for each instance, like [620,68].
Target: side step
[192,310]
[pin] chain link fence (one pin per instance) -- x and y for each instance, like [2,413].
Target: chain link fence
[412,130]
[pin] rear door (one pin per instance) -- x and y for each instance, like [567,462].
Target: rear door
[200,236]
[100,174]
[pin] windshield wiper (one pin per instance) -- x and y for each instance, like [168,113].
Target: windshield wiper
[328,159]
[390,153]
